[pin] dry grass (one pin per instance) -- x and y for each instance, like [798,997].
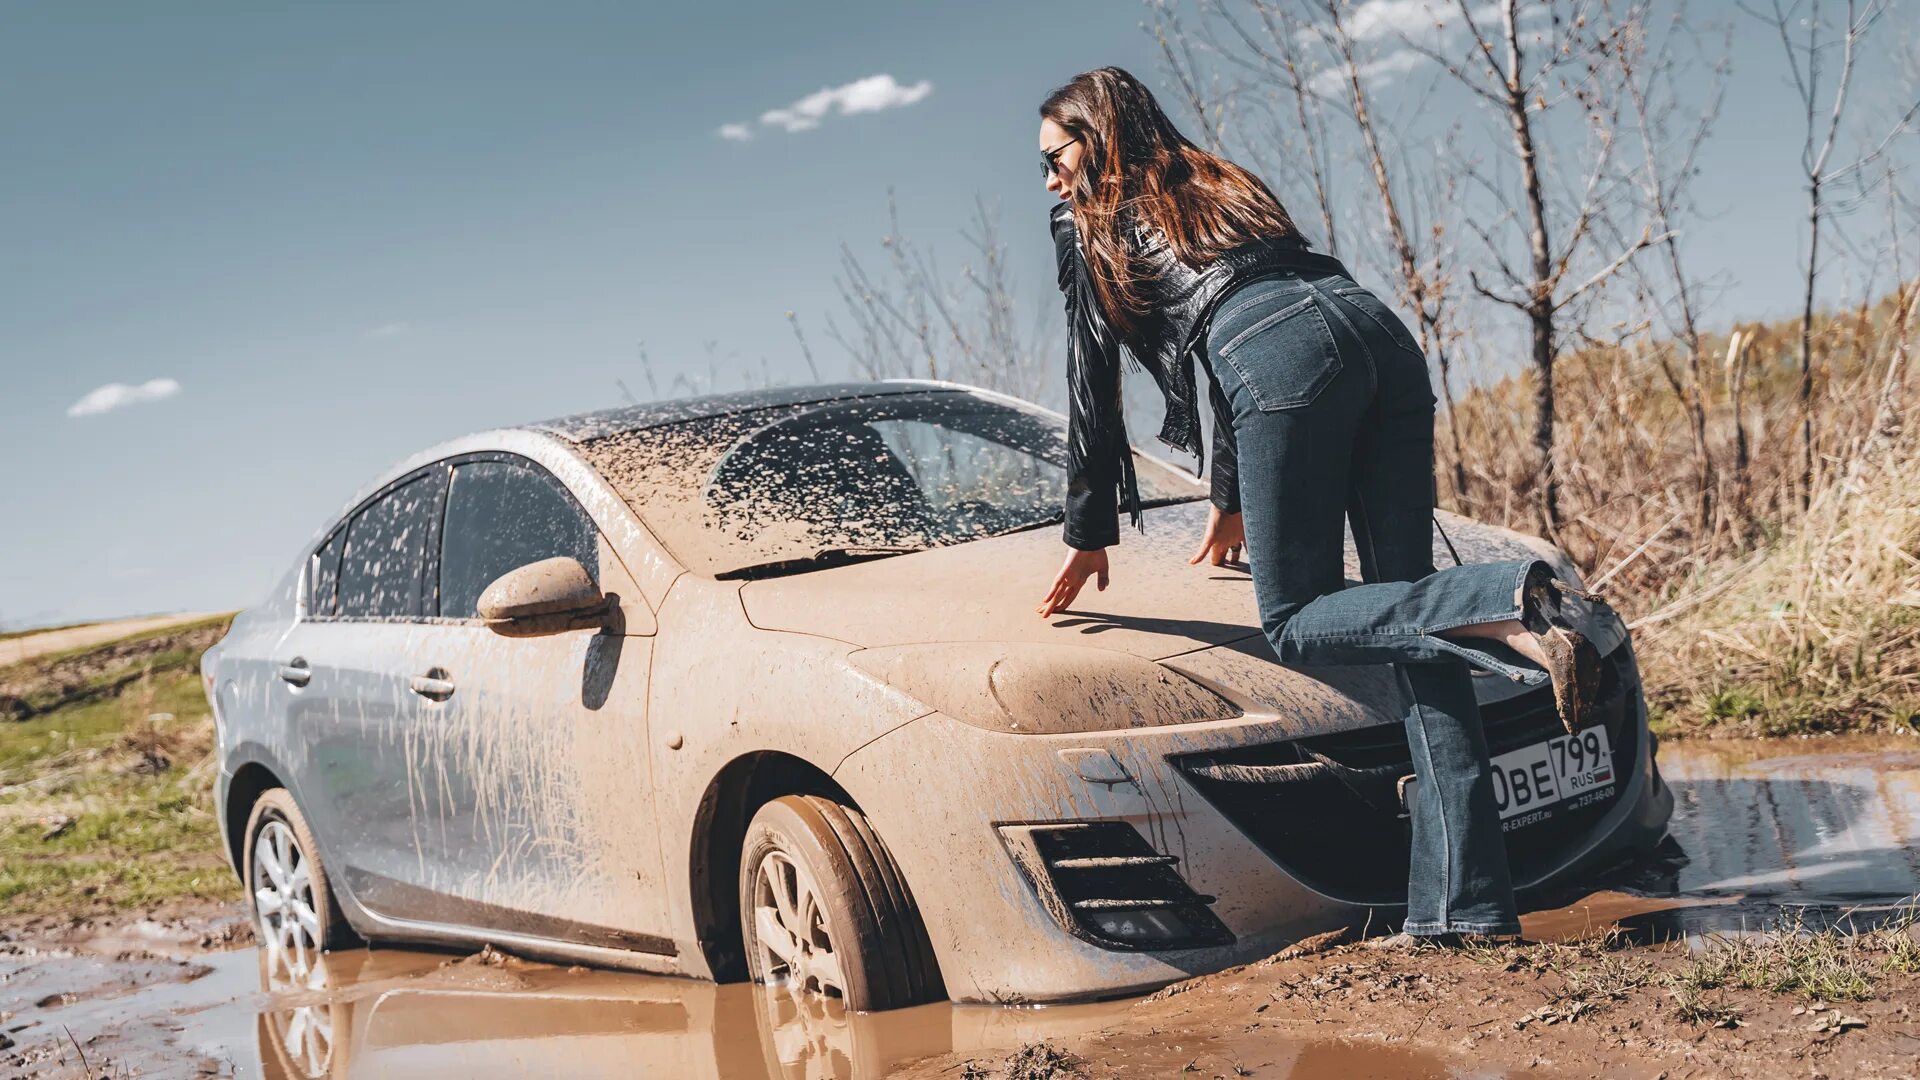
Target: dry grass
[1588,976]
[1765,618]
[1840,963]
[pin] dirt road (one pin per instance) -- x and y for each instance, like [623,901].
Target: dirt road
[1819,831]
[15,649]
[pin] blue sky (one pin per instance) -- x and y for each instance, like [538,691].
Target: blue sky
[346,231]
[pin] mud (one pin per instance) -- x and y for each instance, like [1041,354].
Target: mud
[1810,831]
[56,678]
[394,1012]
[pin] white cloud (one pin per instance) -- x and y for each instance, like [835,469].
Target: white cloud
[1418,20]
[392,329]
[1373,73]
[871,94]
[736,132]
[117,395]
[1394,27]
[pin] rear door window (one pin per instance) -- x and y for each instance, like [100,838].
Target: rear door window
[502,515]
[323,576]
[383,569]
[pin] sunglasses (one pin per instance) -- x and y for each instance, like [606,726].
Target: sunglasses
[1050,159]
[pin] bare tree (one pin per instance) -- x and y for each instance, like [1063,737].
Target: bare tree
[1739,359]
[1889,406]
[1423,277]
[1303,60]
[1808,44]
[915,320]
[1527,76]
[1274,54]
[1668,163]
[1176,50]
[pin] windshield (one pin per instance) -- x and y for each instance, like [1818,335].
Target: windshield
[793,487]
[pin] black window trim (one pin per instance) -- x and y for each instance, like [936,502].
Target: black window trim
[429,561]
[504,457]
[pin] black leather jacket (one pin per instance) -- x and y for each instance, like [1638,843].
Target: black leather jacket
[1099,460]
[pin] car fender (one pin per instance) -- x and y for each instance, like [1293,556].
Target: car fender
[723,691]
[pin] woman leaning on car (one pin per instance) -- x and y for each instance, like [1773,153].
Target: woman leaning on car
[1323,416]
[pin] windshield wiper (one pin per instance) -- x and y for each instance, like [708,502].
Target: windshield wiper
[1054,518]
[819,560]
[1059,516]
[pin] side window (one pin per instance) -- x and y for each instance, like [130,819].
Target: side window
[323,575]
[381,571]
[500,517]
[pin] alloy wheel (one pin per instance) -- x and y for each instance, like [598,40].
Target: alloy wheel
[288,924]
[790,929]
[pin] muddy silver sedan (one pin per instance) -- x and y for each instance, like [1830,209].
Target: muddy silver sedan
[751,686]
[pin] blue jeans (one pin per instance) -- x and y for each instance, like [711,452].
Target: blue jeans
[1334,416]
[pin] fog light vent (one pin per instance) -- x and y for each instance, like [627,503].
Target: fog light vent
[1105,884]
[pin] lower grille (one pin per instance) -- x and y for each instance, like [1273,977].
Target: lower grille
[1328,808]
[1105,884]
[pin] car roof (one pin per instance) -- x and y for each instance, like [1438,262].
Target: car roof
[592,425]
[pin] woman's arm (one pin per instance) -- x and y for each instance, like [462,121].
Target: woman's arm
[1093,400]
[1094,424]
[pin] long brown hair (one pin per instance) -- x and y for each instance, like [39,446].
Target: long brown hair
[1134,159]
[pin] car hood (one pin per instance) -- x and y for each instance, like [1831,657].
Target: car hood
[985,591]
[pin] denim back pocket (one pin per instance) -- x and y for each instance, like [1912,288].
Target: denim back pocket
[1284,357]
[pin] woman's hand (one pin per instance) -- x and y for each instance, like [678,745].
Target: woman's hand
[1080,566]
[1225,540]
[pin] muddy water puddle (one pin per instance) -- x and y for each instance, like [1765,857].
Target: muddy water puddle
[391,1012]
[1817,831]
[1769,833]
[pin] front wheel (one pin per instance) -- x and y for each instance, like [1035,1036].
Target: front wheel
[824,910]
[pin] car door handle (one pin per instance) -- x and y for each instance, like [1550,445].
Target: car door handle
[434,685]
[296,671]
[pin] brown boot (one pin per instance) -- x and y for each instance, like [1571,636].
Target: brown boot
[1573,663]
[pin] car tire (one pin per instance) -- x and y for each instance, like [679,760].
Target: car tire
[824,909]
[293,907]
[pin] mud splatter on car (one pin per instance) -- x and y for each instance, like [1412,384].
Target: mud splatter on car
[751,686]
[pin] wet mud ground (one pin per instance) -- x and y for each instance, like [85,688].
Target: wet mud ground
[1814,831]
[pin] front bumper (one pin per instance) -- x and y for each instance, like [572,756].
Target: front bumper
[944,795]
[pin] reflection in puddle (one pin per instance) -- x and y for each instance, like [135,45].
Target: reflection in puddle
[301,1038]
[397,1013]
[1768,834]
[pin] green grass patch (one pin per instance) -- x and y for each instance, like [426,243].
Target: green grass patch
[120,841]
[100,724]
[1833,964]
[106,802]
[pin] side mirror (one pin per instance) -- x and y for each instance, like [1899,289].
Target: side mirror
[546,597]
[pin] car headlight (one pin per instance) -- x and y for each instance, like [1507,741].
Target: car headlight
[1043,689]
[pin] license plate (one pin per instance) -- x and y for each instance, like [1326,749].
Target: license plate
[1527,781]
